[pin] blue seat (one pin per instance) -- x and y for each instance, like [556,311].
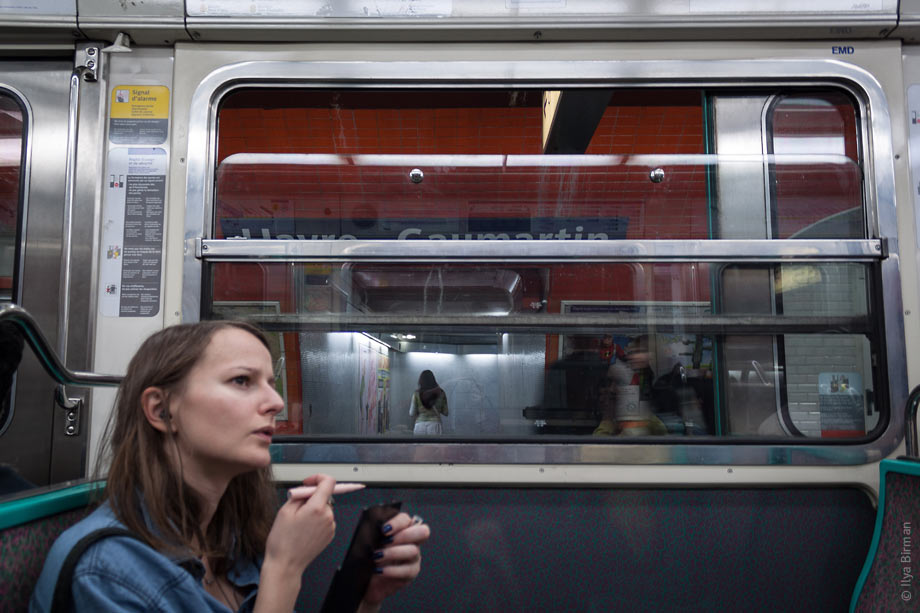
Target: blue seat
[888,581]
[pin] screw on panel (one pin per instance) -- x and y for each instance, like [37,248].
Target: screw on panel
[91,51]
[656,175]
[416,175]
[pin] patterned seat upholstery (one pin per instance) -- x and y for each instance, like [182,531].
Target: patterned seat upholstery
[888,580]
[22,554]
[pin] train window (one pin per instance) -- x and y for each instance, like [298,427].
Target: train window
[12,136]
[578,275]
[821,129]
[11,141]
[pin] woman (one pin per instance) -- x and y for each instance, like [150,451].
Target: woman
[190,478]
[428,403]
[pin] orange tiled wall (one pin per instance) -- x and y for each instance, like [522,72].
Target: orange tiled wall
[635,123]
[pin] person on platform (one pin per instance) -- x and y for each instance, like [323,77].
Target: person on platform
[427,405]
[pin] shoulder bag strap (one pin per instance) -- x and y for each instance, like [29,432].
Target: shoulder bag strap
[61,602]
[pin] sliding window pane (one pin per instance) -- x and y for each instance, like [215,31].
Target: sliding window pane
[477,164]
[606,350]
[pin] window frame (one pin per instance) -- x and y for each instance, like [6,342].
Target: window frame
[25,156]
[739,75]
[22,217]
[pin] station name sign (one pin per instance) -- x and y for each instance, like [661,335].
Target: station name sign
[482,228]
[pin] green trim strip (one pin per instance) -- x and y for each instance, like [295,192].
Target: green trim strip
[706,108]
[905,467]
[24,510]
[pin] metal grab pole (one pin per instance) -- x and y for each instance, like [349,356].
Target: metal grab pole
[70,172]
[85,69]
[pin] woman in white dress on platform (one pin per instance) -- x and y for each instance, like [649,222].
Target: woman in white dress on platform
[428,404]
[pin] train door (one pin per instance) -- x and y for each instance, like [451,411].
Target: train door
[49,119]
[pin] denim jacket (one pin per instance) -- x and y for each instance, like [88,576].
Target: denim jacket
[121,573]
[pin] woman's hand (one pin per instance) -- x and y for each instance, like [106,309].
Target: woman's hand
[399,561]
[303,527]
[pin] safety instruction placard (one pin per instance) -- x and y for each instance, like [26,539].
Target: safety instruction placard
[132,235]
[139,115]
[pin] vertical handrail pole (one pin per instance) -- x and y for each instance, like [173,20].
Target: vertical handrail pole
[70,172]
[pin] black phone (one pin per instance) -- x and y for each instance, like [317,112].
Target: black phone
[352,578]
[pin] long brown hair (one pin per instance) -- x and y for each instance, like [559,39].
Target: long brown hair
[141,468]
[428,390]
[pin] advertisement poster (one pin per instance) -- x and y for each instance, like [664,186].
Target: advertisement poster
[373,389]
[367,411]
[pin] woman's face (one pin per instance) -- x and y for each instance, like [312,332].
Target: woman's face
[224,414]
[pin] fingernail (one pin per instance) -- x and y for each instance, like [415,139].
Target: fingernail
[417,520]
[386,528]
[378,570]
[388,540]
[378,555]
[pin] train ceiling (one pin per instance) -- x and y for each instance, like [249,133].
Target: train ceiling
[164,22]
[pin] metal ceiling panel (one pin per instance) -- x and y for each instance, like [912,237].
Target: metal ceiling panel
[537,19]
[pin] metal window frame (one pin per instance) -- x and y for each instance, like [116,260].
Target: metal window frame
[880,247]
[23,102]
[19,258]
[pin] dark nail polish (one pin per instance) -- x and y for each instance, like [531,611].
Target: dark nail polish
[388,540]
[378,570]
[378,555]
[386,528]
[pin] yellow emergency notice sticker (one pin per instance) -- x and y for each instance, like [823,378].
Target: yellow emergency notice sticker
[139,114]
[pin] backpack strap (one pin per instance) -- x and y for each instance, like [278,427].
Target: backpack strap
[63,595]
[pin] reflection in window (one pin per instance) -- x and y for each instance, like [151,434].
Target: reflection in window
[549,346]
[472,165]
[819,130]
[573,349]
